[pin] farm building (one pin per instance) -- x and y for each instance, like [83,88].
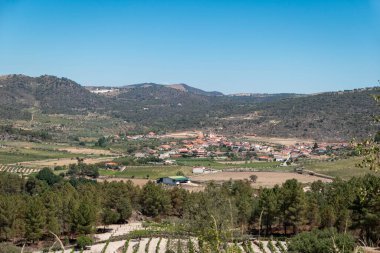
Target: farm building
[111,165]
[203,170]
[175,180]
[170,162]
[199,170]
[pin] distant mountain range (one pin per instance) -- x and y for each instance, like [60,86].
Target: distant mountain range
[331,115]
[180,87]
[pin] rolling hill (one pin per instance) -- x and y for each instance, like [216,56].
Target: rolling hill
[49,94]
[330,115]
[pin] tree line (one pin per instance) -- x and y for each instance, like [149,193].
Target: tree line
[31,207]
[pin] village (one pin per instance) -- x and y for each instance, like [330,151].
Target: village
[234,150]
[229,157]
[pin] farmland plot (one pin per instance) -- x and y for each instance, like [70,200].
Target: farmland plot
[264,179]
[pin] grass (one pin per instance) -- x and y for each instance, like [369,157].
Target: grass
[17,151]
[185,166]
[143,171]
[35,145]
[344,168]
[8,156]
[210,163]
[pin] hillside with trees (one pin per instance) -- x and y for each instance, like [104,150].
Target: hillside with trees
[331,115]
[325,116]
[31,208]
[49,94]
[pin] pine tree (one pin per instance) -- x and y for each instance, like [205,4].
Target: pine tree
[269,206]
[51,202]
[155,200]
[35,219]
[85,217]
[293,204]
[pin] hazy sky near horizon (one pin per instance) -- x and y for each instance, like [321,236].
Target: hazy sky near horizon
[231,46]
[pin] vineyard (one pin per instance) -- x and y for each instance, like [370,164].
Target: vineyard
[163,245]
[18,170]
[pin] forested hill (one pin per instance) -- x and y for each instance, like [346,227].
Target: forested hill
[50,94]
[181,87]
[332,115]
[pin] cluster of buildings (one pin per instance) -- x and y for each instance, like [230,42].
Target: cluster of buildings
[221,148]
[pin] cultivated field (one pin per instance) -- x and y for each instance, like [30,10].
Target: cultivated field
[12,155]
[62,162]
[87,151]
[18,170]
[214,164]
[264,179]
[38,155]
[344,168]
[154,244]
[147,172]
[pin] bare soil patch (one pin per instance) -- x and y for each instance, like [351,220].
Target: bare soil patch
[86,151]
[276,140]
[264,179]
[371,250]
[181,135]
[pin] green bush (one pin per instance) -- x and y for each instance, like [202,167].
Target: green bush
[316,241]
[47,175]
[8,248]
[83,241]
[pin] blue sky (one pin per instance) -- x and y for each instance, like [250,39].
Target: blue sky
[231,46]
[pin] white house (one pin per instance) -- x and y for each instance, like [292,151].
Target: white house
[199,170]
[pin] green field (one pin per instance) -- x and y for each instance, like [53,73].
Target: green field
[35,145]
[16,155]
[345,168]
[152,172]
[214,164]
[185,165]
[18,151]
